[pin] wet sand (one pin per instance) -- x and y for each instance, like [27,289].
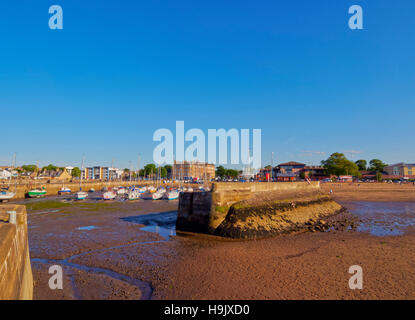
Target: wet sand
[112,257]
[371,191]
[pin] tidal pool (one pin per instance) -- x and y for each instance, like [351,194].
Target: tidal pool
[163,223]
[383,218]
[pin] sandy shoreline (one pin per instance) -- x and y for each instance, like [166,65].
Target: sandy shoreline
[302,266]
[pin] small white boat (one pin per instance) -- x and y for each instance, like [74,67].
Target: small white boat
[142,189]
[171,195]
[121,191]
[6,195]
[91,190]
[81,195]
[109,195]
[157,195]
[161,189]
[133,194]
[64,191]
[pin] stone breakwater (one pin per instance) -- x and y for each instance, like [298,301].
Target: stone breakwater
[267,218]
[254,210]
[16,281]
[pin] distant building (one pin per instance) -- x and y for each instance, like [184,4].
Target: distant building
[345,178]
[55,175]
[315,172]
[101,173]
[187,170]
[69,170]
[404,170]
[288,171]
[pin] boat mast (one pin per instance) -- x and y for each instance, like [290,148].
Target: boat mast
[80,178]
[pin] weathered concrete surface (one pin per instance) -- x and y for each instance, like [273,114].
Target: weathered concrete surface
[16,281]
[204,212]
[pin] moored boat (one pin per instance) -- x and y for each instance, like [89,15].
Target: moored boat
[64,191]
[157,195]
[133,194]
[6,195]
[121,191]
[81,195]
[37,193]
[172,195]
[109,195]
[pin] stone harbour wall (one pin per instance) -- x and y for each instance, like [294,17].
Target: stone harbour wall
[16,280]
[226,211]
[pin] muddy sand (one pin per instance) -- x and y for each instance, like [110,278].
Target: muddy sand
[106,254]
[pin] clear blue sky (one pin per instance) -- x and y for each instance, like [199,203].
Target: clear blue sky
[119,70]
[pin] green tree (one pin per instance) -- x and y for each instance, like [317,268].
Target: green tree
[76,172]
[169,169]
[377,165]
[220,171]
[150,169]
[163,172]
[232,173]
[338,164]
[379,177]
[50,167]
[361,164]
[29,167]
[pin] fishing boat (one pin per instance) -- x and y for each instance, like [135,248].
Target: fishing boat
[109,195]
[81,195]
[37,193]
[6,195]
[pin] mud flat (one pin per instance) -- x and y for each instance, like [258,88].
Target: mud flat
[106,253]
[370,191]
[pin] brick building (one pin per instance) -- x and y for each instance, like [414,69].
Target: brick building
[186,170]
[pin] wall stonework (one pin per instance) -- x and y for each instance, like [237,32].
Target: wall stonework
[205,211]
[16,281]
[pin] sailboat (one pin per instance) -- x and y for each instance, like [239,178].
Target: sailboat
[64,190]
[133,194]
[109,195]
[171,195]
[81,195]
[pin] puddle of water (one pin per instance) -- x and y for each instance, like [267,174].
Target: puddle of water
[383,218]
[87,228]
[162,223]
